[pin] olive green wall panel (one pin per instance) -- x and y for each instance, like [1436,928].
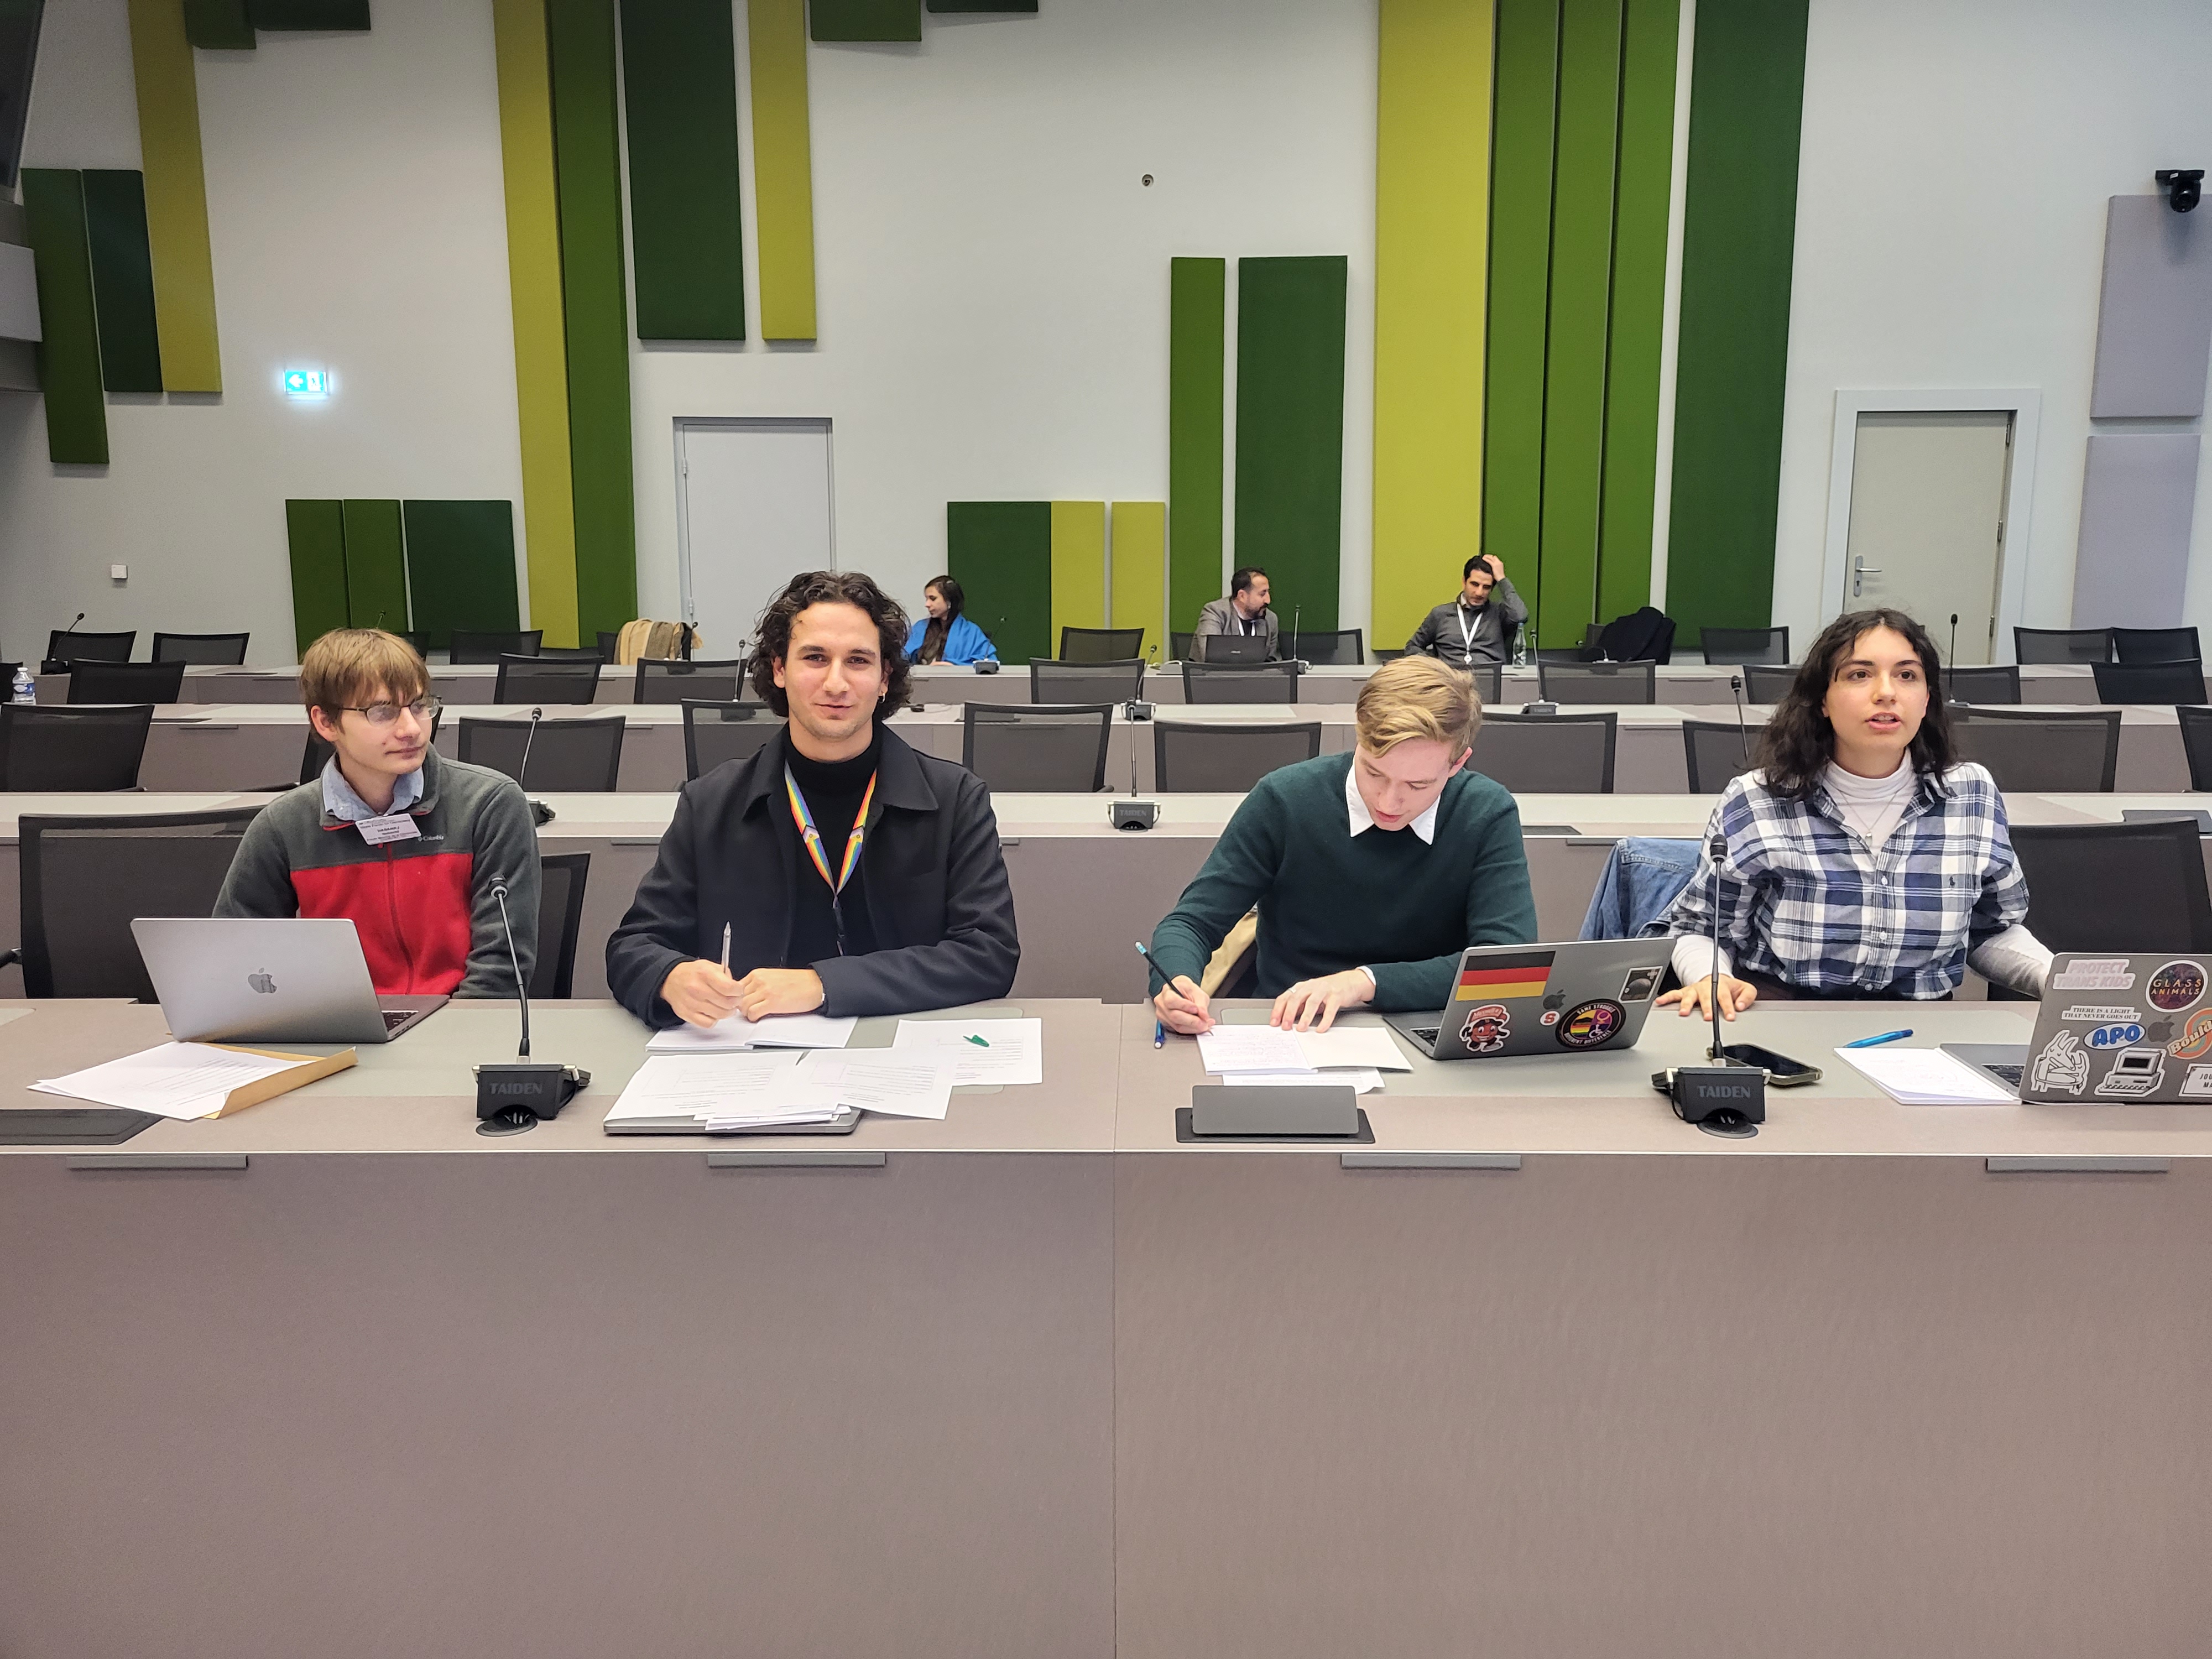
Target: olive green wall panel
[580,36]
[166,80]
[679,66]
[121,280]
[783,167]
[1140,570]
[460,565]
[1001,553]
[1079,567]
[69,355]
[865,20]
[1739,216]
[1197,368]
[1290,429]
[376,565]
[316,533]
[311,15]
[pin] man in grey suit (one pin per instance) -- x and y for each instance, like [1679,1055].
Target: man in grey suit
[1478,626]
[1245,612]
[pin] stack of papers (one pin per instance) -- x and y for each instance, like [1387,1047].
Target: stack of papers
[1007,1052]
[1928,1077]
[1263,1054]
[727,1092]
[737,1034]
[189,1080]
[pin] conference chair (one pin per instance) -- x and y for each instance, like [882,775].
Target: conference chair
[1069,684]
[529,679]
[561,881]
[2168,682]
[1997,684]
[2116,887]
[1179,647]
[717,732]
[1336,646]
[1101,644]
[64,647]
[1489,681]
[318,752]
[1243,681]
[1585,683]
[1717,753]
[1390,654]
[2197,744]
[2074,752]
[1036,748]
[1548,754]
[468,645]
[1767,684]
[83,880]
[2062,644]
[1746,645]
[221,650]
[127,682]
[56,749]
[1226,758]
[564,755]
[1544,653]
[2155,645]
[8,678]
[671,680]
[610,643]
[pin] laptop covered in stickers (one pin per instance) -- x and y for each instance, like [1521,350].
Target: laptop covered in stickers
[2113,1029]
[1574,998]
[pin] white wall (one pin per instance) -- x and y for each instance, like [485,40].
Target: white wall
[1956,161]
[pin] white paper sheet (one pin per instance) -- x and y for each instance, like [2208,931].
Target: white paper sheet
[1362,1083]
[737,1033]
[1227,1048]
[176,1079]
[914,1083]
[735,1088]
[1009,1052]
[1360,1047]
[1927,1076]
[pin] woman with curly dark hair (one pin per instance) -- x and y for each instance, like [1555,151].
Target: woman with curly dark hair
[1864,859]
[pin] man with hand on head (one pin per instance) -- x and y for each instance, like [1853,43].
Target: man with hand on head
[847,873]
[1244,612]
[1372,871]
[1477,627]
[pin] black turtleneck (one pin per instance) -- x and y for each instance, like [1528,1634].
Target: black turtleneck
[833,790]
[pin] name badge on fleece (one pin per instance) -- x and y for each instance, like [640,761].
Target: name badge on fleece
[395,826]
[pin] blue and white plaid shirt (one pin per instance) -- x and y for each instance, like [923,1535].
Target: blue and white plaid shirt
[1804,900]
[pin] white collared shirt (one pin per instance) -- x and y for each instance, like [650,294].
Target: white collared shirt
[1361,819]
[341,801]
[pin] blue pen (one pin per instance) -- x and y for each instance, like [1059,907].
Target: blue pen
[1159,1027]
[1874,1041]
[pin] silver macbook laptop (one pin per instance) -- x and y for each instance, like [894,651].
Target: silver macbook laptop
[2111,1029]
[1574,998]
[233,979]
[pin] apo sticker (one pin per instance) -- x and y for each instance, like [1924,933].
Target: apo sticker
[1487,1029]
[2195,1039]
[2094,974]
[2198,1085]
[2115,1036]
[1590,1023]
[2063,1068]
[2177,985]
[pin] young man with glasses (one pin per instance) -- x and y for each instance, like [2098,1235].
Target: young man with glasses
[407,845]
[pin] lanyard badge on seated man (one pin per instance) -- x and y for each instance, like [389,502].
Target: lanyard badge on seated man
[812,839]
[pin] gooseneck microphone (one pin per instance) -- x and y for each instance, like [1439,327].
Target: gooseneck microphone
[1743,737]
[1716,849]
[522,772]
[511,1098]
[1722,1097]
[57,664]
[1296,611]
[1951,657]
[1134,814]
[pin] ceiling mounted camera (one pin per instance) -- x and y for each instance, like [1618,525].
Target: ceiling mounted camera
[2184,186]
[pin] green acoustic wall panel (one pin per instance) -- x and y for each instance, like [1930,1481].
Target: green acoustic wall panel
[1525,103]
[865,20]
[580,36]
[1576,323]
[310,13]
[679,66]
[316,532]
[1197,367]
[1139,571]
[69,355]
[121,280]
[1739,216]
[460,563]
[783,167]
[218,25]
[1649,44]
[1290,428]
[1079,567]
[1001,553]
[376,566]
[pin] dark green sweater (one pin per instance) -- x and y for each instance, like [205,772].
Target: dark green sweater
[1329,901]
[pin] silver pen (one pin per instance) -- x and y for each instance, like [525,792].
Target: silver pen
[726,947]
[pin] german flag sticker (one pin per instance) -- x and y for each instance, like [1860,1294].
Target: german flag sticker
[1502,978]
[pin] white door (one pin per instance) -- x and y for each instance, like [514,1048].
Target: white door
[1927,531]
[754,509]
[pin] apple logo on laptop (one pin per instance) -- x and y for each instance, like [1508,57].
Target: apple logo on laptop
[263,983]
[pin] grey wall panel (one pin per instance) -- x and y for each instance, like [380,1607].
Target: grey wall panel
[2154,321]
[2138,495]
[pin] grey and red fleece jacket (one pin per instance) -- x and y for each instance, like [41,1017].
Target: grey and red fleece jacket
[427,918]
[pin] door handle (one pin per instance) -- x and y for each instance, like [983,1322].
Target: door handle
[783,1160]
[2078,1166]
[102,1163]
[1861,568]
[1508,1163]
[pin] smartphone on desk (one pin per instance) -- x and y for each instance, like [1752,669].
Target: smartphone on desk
[1782,1072]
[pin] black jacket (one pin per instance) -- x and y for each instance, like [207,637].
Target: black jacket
[936,887]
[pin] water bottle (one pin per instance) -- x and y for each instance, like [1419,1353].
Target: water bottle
[25,688]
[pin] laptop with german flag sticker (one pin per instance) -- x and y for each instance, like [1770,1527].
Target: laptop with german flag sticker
[1572,998]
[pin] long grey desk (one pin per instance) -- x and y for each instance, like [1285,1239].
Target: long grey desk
[1541,1363]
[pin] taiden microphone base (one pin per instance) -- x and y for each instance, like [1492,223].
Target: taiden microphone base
[520,1094]
[1730,1101]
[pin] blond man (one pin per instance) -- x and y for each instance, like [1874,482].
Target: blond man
[1371,871]
[407,845]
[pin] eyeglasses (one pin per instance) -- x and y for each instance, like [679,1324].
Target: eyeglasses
[384,713]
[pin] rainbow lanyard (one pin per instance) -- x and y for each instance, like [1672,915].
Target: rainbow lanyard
[812,837]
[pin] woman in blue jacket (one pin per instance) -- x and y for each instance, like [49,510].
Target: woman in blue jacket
[945,635]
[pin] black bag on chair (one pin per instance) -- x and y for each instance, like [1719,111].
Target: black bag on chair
[1643,636]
